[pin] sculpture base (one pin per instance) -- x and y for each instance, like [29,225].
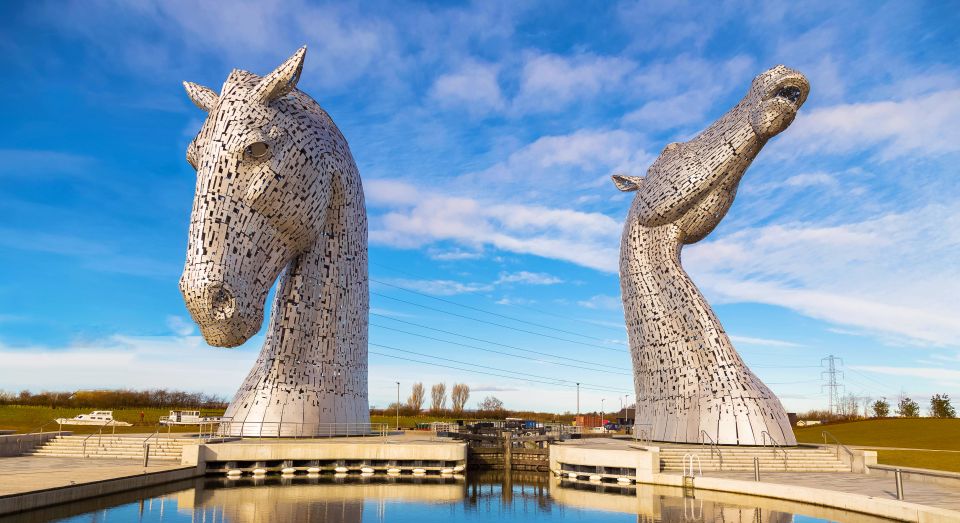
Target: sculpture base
[747,422]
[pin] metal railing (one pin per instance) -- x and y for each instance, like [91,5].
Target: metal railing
[293,429]
[713,446]
[36,430]
[849,452]
[688,458]
[146,444]
[764,436]
[643,433]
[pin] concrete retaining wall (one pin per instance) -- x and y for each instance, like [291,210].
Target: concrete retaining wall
[644,460]
[17,444]
[887,508]
[199,455]
[55,496]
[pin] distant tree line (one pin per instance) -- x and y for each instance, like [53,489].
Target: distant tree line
[849,408]
[119,398]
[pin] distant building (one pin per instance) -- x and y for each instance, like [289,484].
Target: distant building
[588,420]
[626,416]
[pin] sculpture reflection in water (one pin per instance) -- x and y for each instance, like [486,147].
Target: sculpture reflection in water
[279,195]
[520,497]
[690,383]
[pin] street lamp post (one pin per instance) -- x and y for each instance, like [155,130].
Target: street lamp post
[398,405]
[576,420]
[601,411]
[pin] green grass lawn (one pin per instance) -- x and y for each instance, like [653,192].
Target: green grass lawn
[23,419]
[915,433]
[924,459]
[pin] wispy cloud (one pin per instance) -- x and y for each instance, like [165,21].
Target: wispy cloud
[763,342]
[127,361]
[603,302]
[531,278]
[922,125]
[441,287]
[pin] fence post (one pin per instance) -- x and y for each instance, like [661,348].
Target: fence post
[899,480]
[507,450]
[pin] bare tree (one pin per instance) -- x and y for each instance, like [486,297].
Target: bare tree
[459,396]
[415,401]
[490,404]
[438,397]
[848,406]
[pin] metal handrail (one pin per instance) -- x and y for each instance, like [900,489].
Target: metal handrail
[35,430]
[839,446]
[690,456]
[99,435]
[642,434]
[146,442]
[776,446]
[713,446]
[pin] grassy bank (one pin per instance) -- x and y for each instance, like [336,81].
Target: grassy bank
[27,418]
[914,433]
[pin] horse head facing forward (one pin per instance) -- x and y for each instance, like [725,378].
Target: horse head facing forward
[267,161]
[278,192]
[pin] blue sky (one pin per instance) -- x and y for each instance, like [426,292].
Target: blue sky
[486,134]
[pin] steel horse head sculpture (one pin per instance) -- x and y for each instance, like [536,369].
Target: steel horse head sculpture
[691,384]
[279,195]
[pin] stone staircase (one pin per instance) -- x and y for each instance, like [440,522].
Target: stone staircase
[740,459]
[113,447]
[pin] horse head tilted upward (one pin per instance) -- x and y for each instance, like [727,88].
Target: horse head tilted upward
[278,191]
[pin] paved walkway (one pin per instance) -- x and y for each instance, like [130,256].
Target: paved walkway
[880,487]
[29,473]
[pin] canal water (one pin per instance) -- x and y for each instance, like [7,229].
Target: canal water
[492,496]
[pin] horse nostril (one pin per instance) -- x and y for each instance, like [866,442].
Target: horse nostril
[222,303]
[789,92]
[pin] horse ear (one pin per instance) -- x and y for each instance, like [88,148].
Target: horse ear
[627,183]
[201,96]
[282,80]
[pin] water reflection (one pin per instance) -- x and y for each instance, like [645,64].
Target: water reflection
[516,496]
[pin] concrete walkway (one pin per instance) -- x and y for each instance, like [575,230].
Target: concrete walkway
[29,473]
[923,493]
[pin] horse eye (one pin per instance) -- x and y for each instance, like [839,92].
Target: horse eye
[789,92]
[257,150]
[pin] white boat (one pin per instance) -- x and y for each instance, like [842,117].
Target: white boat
[97,417]
[187,417]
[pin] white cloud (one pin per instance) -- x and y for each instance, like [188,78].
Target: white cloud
[558,167]
[922,125]
[891,276]
[120,361]
[441,287]
[551,82]
[531,278]
[588,239]
[453,254]
[810,179]
[764,342]
[947,377]
[180,326]
[602,301]
[474,86]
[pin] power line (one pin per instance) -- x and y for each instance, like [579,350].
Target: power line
[478,309]
[548,313]
[494,323]
[493,342]
[525,376]
[580,367]
[596,387]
